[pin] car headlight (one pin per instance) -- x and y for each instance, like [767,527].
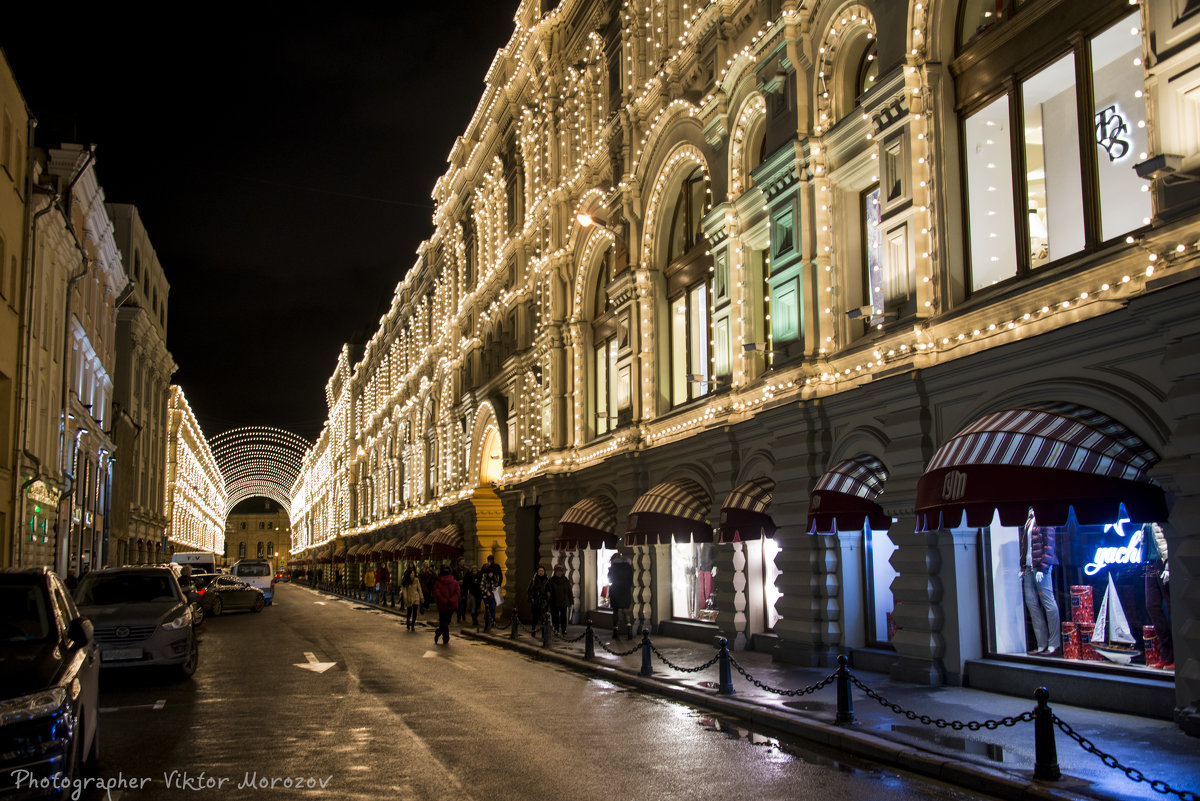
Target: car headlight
[32,707]
[184,620]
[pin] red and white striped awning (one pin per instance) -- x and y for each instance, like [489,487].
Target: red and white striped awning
[445,543]
[340,554]
[674,510]
[845,497]
[1053,458]
[412,546]
[744,513]
[589,523]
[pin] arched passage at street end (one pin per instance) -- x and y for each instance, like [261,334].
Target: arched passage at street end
[259,462]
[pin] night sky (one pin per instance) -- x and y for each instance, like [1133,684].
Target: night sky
[282,166]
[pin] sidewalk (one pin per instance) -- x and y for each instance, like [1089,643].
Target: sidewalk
[997,761]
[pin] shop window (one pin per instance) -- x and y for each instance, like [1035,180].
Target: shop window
[603,557]
[880,603]
[1065,603]
[1026,170]
[258,552]
[692,581]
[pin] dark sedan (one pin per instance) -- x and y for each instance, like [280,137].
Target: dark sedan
[220,593]
[49,672]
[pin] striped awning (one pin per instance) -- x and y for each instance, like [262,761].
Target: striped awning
[671,511]
[589,523]
[445,543]
[412,546]
[386,549]
[323,556]
[845,497]
[340,554]
[744,513]
[1053,458]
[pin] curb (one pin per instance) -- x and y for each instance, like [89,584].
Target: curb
[871,747]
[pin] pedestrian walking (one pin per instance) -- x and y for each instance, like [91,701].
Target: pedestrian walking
[460,575]
[536,592]
[620,595]
[369,583]
[561,595]
[411,597]
[445,593]
[474,597]
[427,577]
[490,580]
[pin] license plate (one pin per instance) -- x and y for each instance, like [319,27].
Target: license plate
[119,654]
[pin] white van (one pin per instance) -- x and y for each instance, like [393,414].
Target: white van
[257,573]
[198,561]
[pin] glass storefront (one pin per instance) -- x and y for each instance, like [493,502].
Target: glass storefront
[603,555]
[1082,593]
[692,581]
[880,574]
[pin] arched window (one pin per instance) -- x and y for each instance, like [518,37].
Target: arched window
[685,216]
[604,349]
[242,550]
[689,293]
[259,550]
[868,69]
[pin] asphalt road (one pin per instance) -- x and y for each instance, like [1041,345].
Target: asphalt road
[325,694]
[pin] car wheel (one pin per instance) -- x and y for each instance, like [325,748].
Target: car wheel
[216,607]
[197,614]
[188,667]
[259,603]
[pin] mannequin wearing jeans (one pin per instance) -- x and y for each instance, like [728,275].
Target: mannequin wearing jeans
[1037,585]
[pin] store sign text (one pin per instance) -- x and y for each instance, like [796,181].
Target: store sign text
[1110,125]
[1129,554]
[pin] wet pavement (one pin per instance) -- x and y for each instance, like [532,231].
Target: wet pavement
[926,736]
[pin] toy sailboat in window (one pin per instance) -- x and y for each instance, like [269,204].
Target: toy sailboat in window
[1110,636]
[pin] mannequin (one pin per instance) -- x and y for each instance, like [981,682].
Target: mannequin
[1158,596]
[1037,563]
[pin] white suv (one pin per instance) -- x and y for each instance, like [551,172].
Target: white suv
[257,573]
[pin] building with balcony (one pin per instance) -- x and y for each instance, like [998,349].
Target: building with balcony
[860,327]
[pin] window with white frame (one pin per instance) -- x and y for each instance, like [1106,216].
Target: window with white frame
[1040,186]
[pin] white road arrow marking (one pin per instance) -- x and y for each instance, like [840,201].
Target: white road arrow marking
[156,706]
[444,656]
[319,603]
[312,663]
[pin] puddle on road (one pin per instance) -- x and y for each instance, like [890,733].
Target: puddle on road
[775,748]
[990,751]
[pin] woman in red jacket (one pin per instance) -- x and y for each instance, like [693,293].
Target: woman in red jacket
[445,593]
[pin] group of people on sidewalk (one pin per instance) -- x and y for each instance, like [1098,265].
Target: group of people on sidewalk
[455,591]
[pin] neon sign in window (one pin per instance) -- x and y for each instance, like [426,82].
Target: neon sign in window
[1128,554]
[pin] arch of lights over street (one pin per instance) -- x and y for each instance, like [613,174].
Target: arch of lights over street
[259,461]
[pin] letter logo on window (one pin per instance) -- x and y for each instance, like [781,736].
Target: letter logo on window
[1109,127]
[954,485]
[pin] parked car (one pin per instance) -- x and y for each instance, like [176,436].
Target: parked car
[49,672]
[257,573]
[141,617]
[226,593]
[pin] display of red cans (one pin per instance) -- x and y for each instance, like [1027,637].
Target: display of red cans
[1150,643]
[1081,604]
[1070,640]
[1086,651]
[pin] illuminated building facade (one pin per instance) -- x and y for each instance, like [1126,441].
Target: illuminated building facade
[143,379]
[196,501]
[14,198]
[257,528]
[804,306]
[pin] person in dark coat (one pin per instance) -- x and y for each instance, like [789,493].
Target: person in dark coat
[460,575]
[490,580]
[620,595]
[445,593]
[471,588]
[561,596]
[537,592]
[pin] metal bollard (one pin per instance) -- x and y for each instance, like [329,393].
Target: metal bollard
[545,631]
[516,626]
[845,704]
[589,641]
[726,687]
[1044,748]
[646,670]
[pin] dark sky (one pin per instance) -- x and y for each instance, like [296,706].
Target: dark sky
[282,165]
